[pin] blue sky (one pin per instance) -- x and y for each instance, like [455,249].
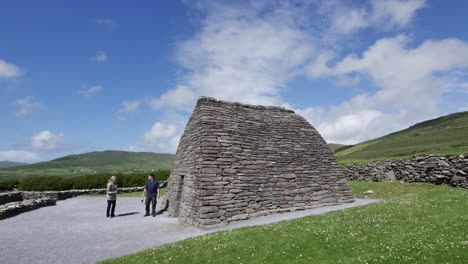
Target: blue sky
[95,75]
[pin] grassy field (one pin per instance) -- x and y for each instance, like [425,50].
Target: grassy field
[419,223]
[387,190]
[92,162]
[443,135]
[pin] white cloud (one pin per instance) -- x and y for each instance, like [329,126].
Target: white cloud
[171,146]
[100,56]
[403,73]
[105,21]
[380,14]
[18,156]
[8,70]
[463,108]
[158,131]
[244,54]
[26,106]
[180,96]
[134,149]
[347,81]
[163,137]
[457,82]
[313,115]
[131,106]
[250,52]
[128,107]
[409,82]
[91,91]
[395,13]
[45,140]
[351,128]
[350,20]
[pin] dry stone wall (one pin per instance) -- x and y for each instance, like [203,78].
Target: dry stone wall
[436,169]
[237,161]
[9,197]
[17,207]
[62,195]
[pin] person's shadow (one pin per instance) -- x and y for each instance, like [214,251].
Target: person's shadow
[162,210]
[127,214]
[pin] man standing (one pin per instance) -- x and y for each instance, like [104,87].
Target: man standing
[152,191]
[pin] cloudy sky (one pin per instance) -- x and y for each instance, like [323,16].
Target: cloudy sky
[95,75]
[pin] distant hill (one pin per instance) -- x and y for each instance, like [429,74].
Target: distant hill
[93,162]
[7,164]
[335,146]
[444,135]
[338,147]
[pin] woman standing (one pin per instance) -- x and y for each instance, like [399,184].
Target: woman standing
[111,197]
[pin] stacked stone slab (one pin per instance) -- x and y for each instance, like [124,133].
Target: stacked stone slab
[237,161]
[451,170]
[9,197]
[17,207]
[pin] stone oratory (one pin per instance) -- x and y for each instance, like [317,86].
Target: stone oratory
[237,161]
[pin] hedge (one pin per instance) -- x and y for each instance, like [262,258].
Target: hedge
[8,185]
[92,181]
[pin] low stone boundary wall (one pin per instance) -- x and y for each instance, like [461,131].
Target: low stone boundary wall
[14,203]
[9,197]
[436,169]
[61,195]
[18,207]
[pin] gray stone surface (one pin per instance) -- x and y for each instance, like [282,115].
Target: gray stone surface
[451,170]
[76,230]
[235,161]
[390,175]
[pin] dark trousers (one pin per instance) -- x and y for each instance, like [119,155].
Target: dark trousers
[109,204]
[153,202]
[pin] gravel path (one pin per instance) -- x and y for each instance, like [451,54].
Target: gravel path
[77,231]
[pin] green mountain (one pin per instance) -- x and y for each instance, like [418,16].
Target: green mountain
[338,147]
[7,164]
[444,135]
[92,162]
[335,146]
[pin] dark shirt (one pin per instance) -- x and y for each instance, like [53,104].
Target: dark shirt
[152,188]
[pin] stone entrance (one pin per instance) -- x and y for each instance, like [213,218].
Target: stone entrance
[178,195]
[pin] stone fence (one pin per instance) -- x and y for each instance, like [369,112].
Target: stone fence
[62,195]
[436,169]
[14,203]
[9,197]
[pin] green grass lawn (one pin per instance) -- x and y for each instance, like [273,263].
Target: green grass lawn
[386,190]
[418,223]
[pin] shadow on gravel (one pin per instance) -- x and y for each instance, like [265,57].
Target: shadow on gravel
[127,214]
[162,210]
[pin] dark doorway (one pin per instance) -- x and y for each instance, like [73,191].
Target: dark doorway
[178,198]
